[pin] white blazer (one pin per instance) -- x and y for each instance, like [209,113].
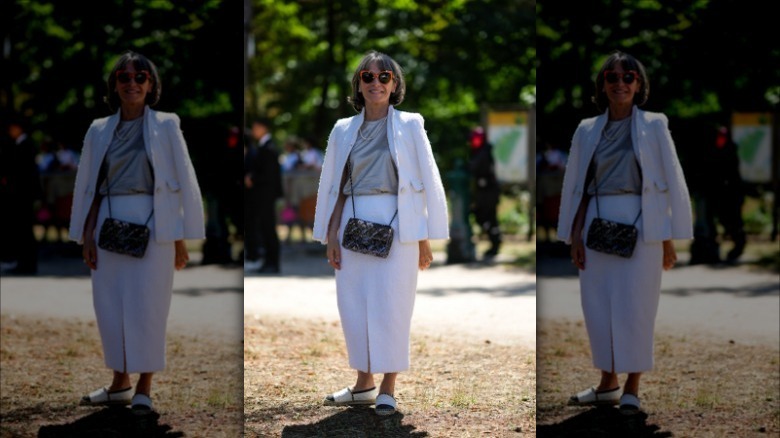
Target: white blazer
[666,204]
[422,205]
[178,206]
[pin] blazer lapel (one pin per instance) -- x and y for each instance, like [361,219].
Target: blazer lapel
[149,123]
[105,137]
[638,132]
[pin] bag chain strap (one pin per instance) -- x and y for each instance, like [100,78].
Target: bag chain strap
[352,190]
[596,187]
[108,186]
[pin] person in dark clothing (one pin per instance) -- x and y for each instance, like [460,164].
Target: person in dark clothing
[20,187]
[263,184]
[720,195]
[487,190]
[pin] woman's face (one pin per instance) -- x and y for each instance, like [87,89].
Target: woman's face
[618,91]
[377,93]
[127,87]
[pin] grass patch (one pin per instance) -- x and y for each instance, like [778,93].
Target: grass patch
[465,388]
[699,387]
[48,364]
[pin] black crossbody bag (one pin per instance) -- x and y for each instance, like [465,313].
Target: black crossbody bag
[366,237]
[612,237]
[123,237]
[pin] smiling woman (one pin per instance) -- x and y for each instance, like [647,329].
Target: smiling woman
[623,169]
[381,160]
[135,169]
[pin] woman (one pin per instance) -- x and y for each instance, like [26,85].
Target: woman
[623,167]
[394,180]
[134,167]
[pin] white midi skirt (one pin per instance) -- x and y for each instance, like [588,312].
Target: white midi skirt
[620,296]
[132,296]
[376,295]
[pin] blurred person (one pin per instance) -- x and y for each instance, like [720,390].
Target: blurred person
[135,167]
[378,167]
[21,190]
[550,166]
[719,195]
[291,158]
[263,181]
[487,192]
[311,156]
[623,167]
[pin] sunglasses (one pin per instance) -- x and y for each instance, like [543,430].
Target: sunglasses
[384,76]
[140,77]
[628,77]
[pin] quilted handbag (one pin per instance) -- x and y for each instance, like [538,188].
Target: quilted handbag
[367,237]
[124,237]
[612,237]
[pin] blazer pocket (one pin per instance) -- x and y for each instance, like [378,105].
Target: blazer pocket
[661,186]
[173,185]
[418,195]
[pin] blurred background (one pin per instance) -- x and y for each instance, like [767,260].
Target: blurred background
[55,60]
[711,67]
[468,65]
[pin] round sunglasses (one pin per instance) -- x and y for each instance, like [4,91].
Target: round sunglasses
[124,77]
[628,77]
[384,76]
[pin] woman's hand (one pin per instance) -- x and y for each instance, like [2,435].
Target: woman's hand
[670,256]
[334,251]
[578,253]
[426,255]
[89,252]
[182,257]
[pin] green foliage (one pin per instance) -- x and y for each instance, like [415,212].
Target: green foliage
[60,54]
[705,59]
[456,56]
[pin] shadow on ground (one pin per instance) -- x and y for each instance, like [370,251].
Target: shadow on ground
[111,422]
[602,422]
[355,422]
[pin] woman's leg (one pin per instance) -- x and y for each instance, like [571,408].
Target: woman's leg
[121,381]
[144,385]
[388,384]
[364,381]
[608,381]
[632,384]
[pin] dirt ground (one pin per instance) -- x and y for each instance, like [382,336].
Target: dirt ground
[454,389]
[699,388]
[49,364]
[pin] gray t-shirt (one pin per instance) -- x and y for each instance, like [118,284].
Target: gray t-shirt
[373,168]
[128,167]
[614,162]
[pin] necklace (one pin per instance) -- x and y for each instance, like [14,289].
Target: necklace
[373,130]
[618,132]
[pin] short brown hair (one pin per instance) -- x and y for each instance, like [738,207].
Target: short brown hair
[628,62]
[140,62]
[385,63]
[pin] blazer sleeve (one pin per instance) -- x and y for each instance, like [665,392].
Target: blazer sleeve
[436,201]
[679,198]
[570,177]
[80,203]
[192,202]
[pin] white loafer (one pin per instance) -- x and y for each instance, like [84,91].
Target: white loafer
[386,404]
[141,404]
[629,404]
[346,397]
[104,397]
[591,397]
